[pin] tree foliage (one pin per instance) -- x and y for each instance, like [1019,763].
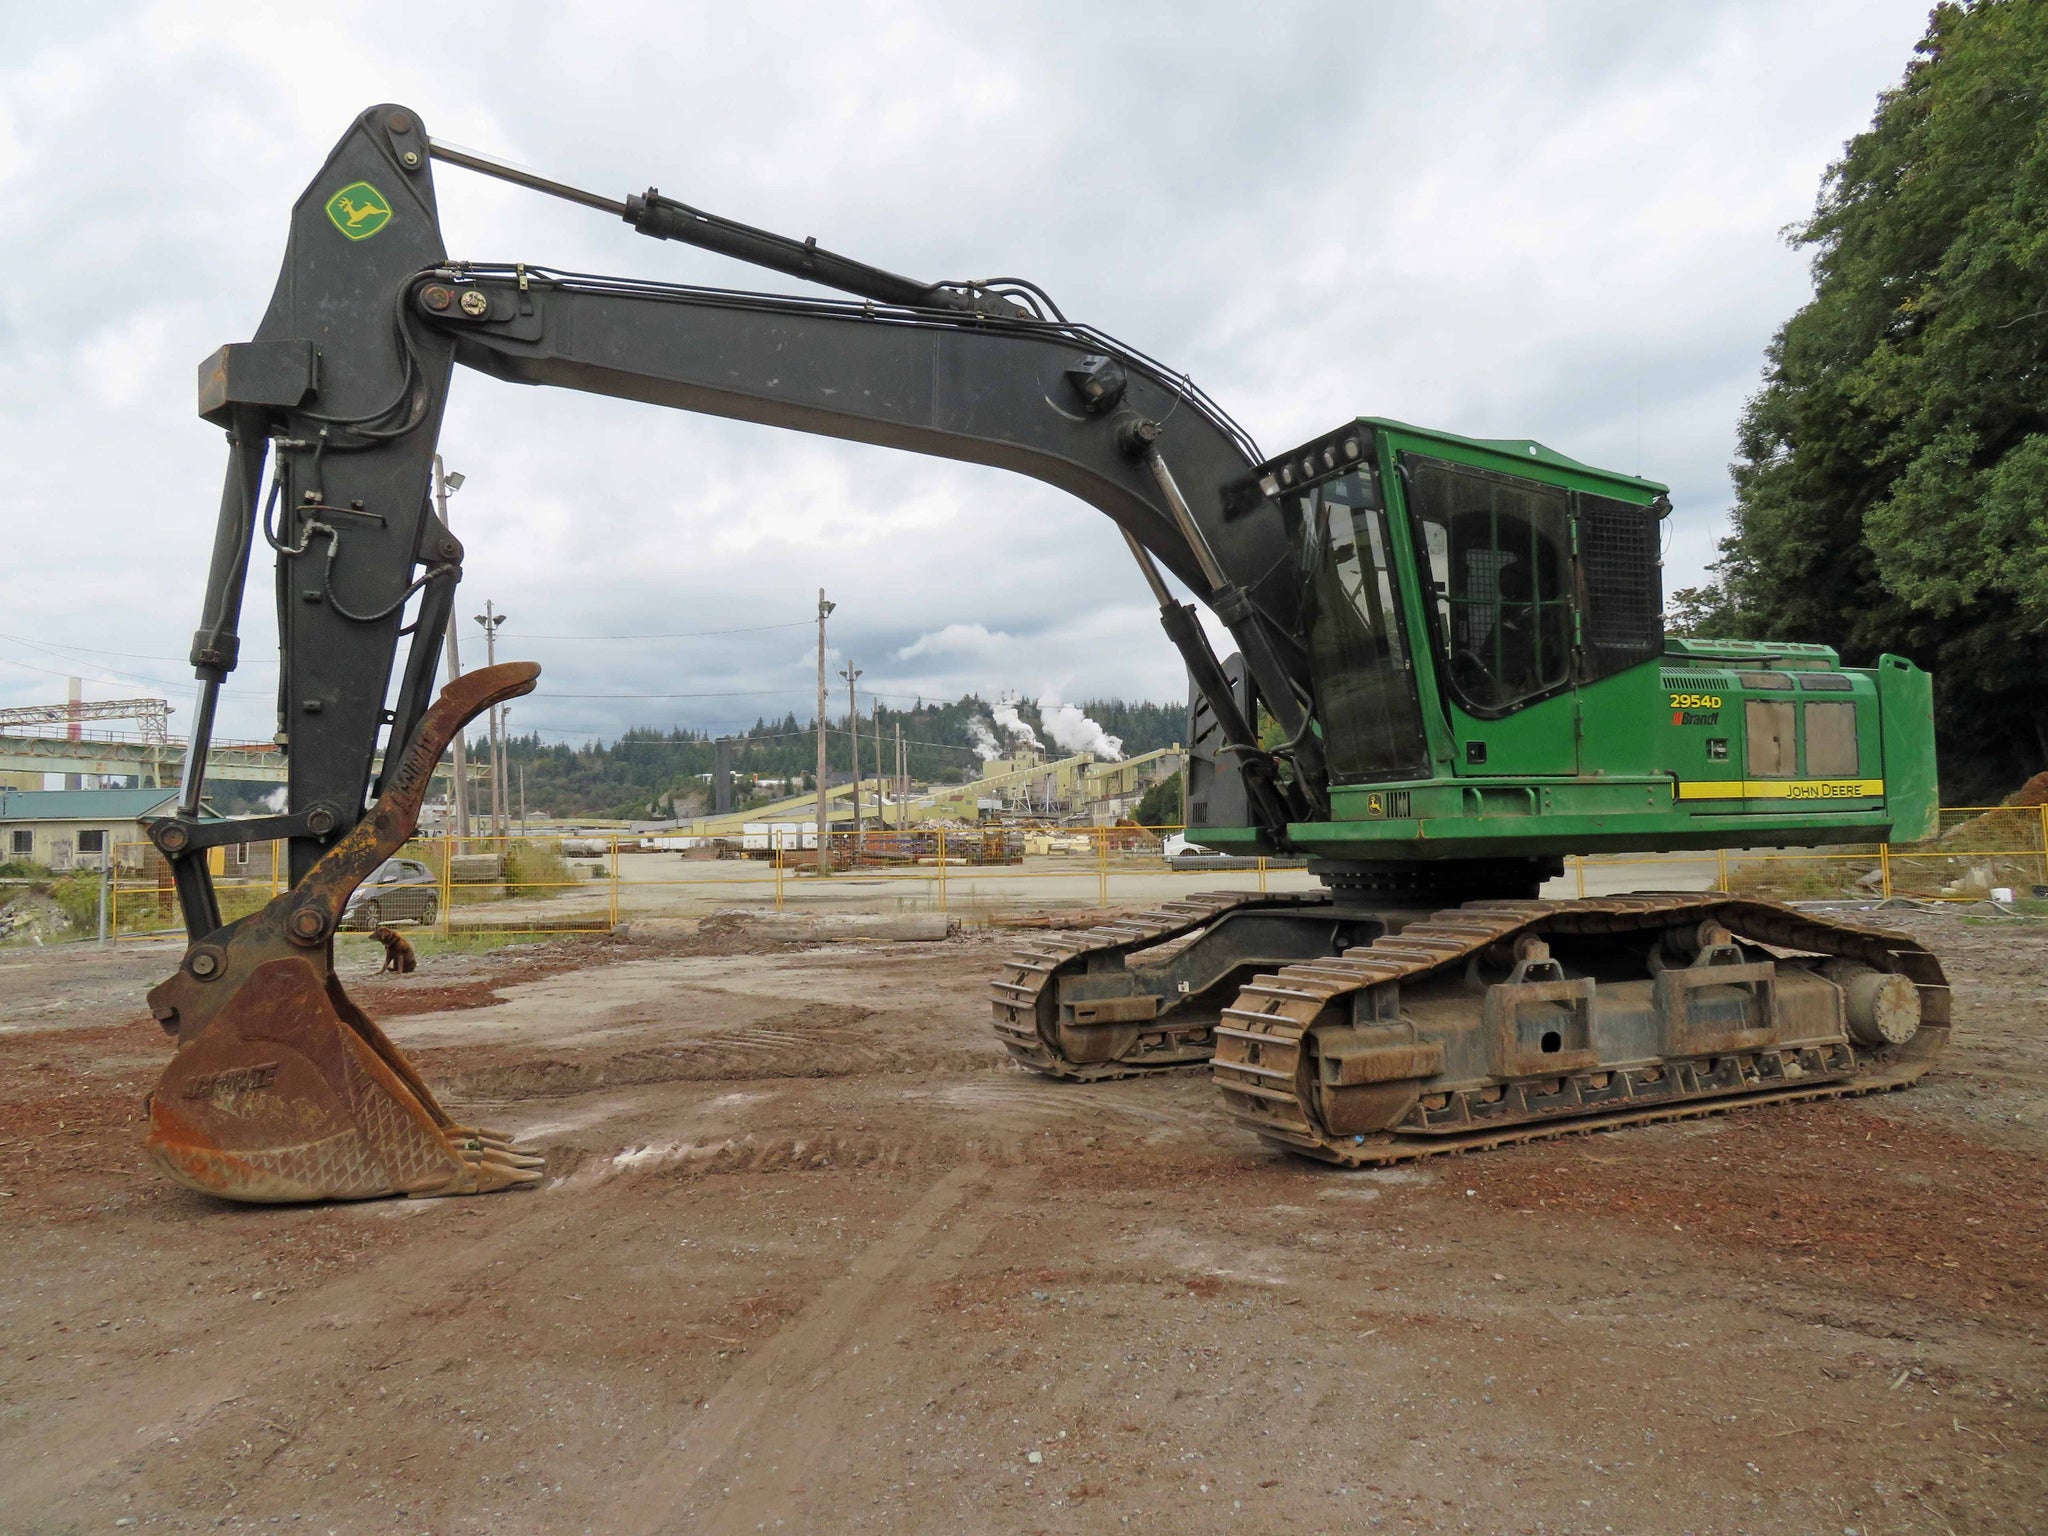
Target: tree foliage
[1892,475]
[1160,805]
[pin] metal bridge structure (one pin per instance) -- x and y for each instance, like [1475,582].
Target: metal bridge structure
[63,738]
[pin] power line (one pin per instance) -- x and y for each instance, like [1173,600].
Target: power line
[691,634]
[120,678]
[740,693]
[56,647]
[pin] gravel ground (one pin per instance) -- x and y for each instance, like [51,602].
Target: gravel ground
[812,1256]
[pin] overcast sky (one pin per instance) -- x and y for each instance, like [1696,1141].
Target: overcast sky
[1520,220]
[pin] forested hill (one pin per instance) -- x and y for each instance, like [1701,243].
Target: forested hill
[645,771]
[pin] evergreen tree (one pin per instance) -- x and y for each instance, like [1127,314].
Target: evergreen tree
[1892,475]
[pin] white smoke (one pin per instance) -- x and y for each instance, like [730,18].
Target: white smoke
[1073,731]
[983,740]
[1014,727]
[275,800]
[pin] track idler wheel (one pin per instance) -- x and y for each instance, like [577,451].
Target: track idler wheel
[282,1089]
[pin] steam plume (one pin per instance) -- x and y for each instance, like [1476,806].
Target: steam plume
[1013,725]
[1073,731]
[983,740]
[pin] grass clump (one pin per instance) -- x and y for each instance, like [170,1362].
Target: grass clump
[536,869]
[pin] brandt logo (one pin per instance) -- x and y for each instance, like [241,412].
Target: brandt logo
[226,1085]
[1696,717]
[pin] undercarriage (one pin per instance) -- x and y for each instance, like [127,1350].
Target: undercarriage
[1359,1034]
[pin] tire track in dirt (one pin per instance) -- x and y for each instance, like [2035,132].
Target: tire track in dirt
[997,1120]
[795,1360]
[827,1041]
[223,1360]
[777,1484]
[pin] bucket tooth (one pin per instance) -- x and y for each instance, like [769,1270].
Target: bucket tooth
[282,1088]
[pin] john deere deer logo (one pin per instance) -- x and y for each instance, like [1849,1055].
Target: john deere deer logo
[359,210]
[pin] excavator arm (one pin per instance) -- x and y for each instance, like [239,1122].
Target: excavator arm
[342,391]
[348,375]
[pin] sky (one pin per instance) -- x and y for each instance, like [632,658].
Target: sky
[1559,221]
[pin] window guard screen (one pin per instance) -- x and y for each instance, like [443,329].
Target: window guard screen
[1831,741]
[1772,748]
[1622,583]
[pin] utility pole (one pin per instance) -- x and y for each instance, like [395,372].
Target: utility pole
[852,676]
[824,819]
[505,765]
[490,618]
[902,780]
[446,483]
[522,799]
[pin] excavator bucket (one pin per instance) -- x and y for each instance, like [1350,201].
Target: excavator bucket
[282,1089]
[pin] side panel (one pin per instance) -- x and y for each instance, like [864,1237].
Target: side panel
[1214,792]
[1698,714]
[1912,792]
[1540,740]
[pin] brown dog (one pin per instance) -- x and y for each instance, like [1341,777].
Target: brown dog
[398,951]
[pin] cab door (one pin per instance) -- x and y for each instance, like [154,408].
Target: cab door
[1495,562]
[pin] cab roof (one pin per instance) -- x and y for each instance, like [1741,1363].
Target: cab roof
[1513,453]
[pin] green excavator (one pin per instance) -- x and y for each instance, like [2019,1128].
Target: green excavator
[1448,670]
[1492,689]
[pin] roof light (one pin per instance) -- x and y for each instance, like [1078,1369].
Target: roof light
[1269,485]
[1350,447]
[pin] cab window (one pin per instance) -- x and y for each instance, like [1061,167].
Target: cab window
[1496,556]
[1359,653]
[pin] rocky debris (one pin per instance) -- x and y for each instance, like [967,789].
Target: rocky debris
[33,918]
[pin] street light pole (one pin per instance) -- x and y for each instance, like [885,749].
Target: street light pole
[447,482]
[490,618]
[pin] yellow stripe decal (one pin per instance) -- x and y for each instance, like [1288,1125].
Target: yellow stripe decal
[1780,789]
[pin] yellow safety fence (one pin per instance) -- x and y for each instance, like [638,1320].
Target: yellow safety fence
[551,883]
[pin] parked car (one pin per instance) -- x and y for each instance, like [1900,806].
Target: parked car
[1182,854]
[400,890]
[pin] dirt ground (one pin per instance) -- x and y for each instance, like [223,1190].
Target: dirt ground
[811,1256]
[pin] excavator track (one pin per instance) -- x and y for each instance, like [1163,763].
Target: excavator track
[1265,1070]
[1023,997]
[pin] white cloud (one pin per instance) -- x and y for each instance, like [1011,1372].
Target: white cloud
[963,640]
